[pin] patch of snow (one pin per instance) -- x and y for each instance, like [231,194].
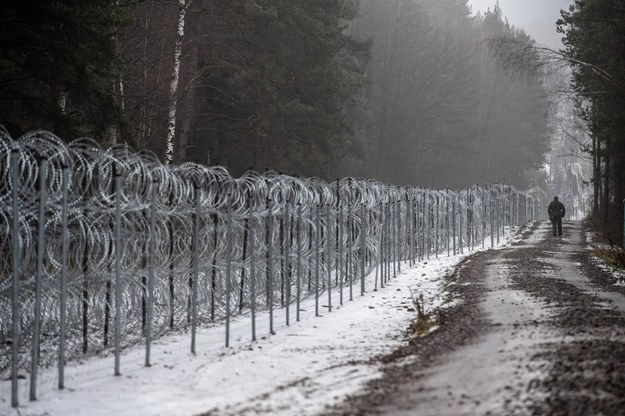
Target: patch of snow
[304,367]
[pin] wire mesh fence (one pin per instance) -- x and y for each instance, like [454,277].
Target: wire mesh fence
[104,249]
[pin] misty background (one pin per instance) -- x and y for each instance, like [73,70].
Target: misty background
[536,17]
[404,91]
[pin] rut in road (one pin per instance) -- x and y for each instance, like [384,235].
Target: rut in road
[540,330]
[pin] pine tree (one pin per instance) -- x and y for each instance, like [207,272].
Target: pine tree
[594,37]
[282,103]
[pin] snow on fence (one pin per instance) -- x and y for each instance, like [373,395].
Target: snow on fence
[108,248]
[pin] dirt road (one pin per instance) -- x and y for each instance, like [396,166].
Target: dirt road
[540,330]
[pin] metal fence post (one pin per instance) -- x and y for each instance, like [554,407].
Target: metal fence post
[43,169]
[151,254]
[398,234]
[339,263]
[253,278]
[448,224]
[483,217]
[228,265]
[492,225]
[498,216]
[363,230]
[317,259]
[16,259]
[63,285]
[299,262]
[389,242]
[383,243]
[470,221]
[392,237]
[196,266]
[453,216]
[118,263]
[422,218]
[270,264]
[409,230]
[350,268]
[287,254]
[328,234]
[428,219]
[436,224]
[460,225]
[382,248]
[41,229]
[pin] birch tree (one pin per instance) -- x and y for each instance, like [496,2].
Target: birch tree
[173,86]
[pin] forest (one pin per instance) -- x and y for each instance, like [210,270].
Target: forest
[594,39]
[403,91]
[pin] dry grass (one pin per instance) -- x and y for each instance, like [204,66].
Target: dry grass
[613,256]
[425,320]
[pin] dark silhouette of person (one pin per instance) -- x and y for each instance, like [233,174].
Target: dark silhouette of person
[556,213]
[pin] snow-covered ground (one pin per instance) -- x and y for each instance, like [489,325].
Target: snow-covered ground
[302,368]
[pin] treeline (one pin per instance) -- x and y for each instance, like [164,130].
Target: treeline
[444,112]
[594,39]
[403,91]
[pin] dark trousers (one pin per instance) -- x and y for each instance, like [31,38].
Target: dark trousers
[556,223]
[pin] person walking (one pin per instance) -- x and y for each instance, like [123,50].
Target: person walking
[556,213]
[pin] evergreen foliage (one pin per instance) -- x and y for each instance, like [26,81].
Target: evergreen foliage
[400,91]
[58,66]
[594,37]
[284,99]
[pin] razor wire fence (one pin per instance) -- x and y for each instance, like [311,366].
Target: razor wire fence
[103,249]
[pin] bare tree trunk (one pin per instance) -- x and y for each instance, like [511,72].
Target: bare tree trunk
[62,101]
[173,86]
[596,176]
[184,151]
[606,183]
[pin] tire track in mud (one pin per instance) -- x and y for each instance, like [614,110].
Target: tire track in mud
[586,370]
[540,331]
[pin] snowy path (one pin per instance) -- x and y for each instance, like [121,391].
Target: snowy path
[300,370]
[551,341]
[477,379]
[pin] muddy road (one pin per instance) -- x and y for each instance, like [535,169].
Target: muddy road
[538,330]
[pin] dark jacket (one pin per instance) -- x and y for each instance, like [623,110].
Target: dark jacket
[556,210]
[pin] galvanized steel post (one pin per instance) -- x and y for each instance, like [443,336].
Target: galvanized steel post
[151,258]
[428,213]
[228,265]
[196,265]
[287,263]
[118,264]
[64,264]
[363,250]
[270,263]
[453,216]
[16,271]
[382,248]
[339,262]
[436,224]
[328,234]
[317,260]
[492,225]
[350,266]
[461,209]
[41,229]
[299,261]
[253,279]
[448,223]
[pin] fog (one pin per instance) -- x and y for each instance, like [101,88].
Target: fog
[536,17]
